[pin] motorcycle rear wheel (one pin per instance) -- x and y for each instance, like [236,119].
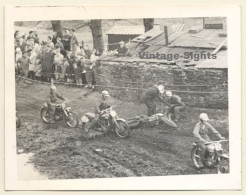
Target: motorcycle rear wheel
[72,120]
[223,166]
[122,130]
[196,158]
[45,116]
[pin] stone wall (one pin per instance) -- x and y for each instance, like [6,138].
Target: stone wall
[190,84]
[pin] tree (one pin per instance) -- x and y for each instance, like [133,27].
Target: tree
[57,27]
[96,30]
[148,24]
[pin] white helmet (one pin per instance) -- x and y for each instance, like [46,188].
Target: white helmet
[169,93]
[161,88]
[105,93]
[204,117]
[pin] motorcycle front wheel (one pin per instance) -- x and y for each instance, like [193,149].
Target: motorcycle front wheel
[122,130]
[45,116]
[72,120]
[196,158]
[223,166]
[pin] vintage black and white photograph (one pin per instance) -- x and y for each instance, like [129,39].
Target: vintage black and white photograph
[122,97]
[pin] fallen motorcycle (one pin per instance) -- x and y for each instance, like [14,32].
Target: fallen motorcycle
[214,157]
[150,121]
[61,112]
[18,121]
[108,121]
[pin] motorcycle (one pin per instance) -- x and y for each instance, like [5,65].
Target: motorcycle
[150,121]
[108,121]
[214,157]
[18,121]
[61,112]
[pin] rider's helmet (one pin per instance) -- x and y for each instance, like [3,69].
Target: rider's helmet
[169,94]
[204,117]
[105,93]
[161,89]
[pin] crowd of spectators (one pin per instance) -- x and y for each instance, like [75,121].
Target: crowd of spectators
[60,58]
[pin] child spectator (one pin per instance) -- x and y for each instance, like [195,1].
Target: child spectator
[38,70]
[18,54]
[23,63]
[58,62]
[64,70]
[32,56]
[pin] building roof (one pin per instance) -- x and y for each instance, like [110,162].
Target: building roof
[153,41]
[219,63]
[205,38]
[126,30]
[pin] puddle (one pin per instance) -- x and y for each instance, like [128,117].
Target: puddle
[26,170]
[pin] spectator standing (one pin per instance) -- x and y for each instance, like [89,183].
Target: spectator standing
[60,45]
[77,70]
[70,70]
[65,66]
[54,38]
[29,43]
[73,42]
[21,44]
[58,62]
[93,59]
[16,37]
[83,64]
[23,63]
[87,52]
[66,40]
[32,56]
[18,54]
[47,60]
[49,39]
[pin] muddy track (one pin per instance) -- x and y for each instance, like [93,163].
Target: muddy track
[65,153]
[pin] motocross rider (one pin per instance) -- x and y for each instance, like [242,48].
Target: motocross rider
[52,100]
[149,97]
[201,130]
[102,105]
[175,105]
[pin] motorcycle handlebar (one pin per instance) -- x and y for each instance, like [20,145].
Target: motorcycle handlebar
[107,109]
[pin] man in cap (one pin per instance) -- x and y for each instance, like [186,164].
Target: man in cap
[66,40]
[102,105]
[52,99]
[150,96]
[201,130]
[122,49]
[175,105]
[47,64]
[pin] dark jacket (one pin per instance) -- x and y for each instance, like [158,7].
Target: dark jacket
[54,96]
[151,93]
[175,100]
[47,60]
[122,51]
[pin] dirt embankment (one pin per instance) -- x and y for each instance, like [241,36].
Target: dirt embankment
[65,153]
